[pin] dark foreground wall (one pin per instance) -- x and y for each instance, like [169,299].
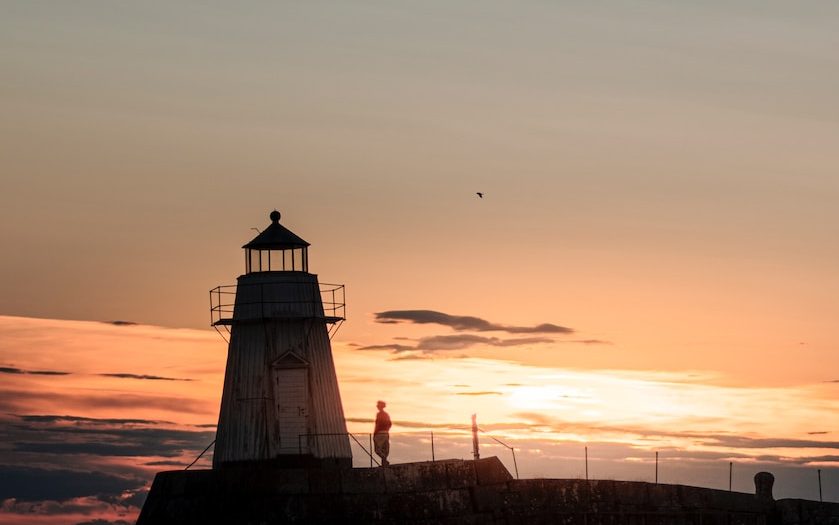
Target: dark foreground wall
[469,492]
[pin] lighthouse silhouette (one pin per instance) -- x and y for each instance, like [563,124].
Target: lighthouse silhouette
[281,404]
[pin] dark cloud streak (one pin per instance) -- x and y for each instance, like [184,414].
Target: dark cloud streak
[486,393]
[123,375]
[74,419]
[464,322]
[439,343]
[12,370]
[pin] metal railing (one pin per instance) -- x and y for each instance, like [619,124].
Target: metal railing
[328,302]
[317,437]
[508,447]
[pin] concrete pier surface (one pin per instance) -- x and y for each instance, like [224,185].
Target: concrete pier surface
[452,491]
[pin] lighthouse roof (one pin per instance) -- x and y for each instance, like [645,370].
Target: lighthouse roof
[275,237]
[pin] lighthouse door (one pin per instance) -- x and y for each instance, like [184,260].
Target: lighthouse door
[291,399]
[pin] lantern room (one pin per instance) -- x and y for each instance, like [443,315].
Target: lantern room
[276,249]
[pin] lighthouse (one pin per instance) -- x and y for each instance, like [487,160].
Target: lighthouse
[281,403]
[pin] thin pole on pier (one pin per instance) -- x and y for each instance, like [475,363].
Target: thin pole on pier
[586,463]
[730,473]
[432,447]
[475,452]
[656,467]
[515,465]
[820,484]
[370,440]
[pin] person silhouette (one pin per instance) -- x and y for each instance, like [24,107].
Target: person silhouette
[381,433]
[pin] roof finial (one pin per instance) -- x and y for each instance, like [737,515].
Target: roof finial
[275,216]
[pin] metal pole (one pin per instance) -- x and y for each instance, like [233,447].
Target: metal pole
[432,447]
[656,467]
[586,463]
[475,452]
[370,439]
[516,465]
[820,484]
[730,474]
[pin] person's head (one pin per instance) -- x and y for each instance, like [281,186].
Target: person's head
[381,405]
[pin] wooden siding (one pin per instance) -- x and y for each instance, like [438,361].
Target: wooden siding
[250,426]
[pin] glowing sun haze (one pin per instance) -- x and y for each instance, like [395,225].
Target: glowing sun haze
[659,181]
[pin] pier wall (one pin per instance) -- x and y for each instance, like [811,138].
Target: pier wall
[456,491]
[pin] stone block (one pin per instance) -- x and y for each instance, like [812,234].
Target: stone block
[600,494]
[461,474]
[490,471]
[530,495]
[415,477]
[632,494]
[363,480]
[325,481]
[663,497]
[429,504]
[288,481]
[363,508]
[489,498]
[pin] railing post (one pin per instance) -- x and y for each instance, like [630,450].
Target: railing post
[586,463]
[370,453]
[432,447]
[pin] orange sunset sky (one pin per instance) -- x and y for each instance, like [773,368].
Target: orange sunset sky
[660,178]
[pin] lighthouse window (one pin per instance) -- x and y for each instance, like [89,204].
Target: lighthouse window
[253,261]
[275,261]
[294,259]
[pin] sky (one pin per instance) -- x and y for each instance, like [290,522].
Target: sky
[659,180]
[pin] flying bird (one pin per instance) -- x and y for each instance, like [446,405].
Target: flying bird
[479,194]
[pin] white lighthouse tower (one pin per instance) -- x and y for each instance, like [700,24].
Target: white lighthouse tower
[281,402]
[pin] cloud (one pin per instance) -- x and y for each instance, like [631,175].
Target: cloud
[98,440]
[464,322]
[438,343]
[16,401]
[708,439]
[410,357]
[487,393]
[37,484]
[393,347]
[746,442]
[12,370]
[104,522]
[143,376]
[413,424]
[165,463]
[121,323]
[76,419]
[462,341]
